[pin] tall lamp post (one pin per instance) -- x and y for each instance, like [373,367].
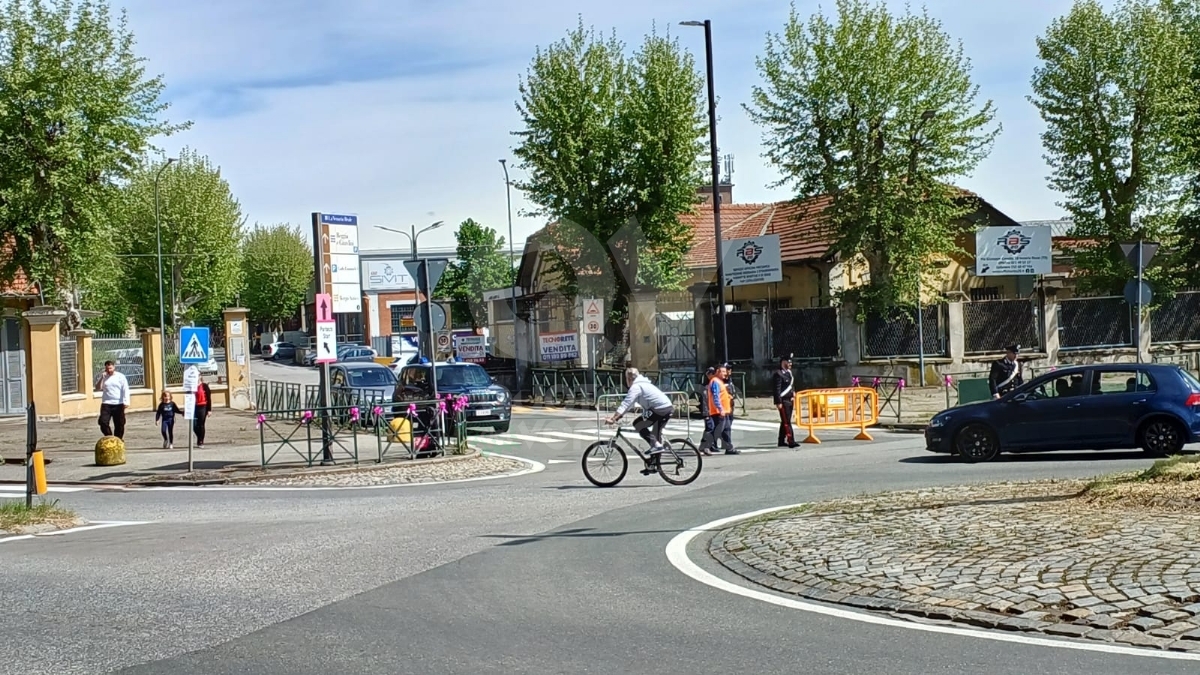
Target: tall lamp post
[412,235]
[925,117]
[511,255]
[716,172]
[162,320]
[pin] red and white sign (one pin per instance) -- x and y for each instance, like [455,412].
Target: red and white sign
[471,348]
[324,307]
[593,316]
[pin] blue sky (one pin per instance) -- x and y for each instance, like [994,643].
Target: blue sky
[398,111]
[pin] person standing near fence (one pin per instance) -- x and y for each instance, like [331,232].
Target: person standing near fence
[1006,373]
[203,408]
[785,396]
[114,398]
[720,410]
[707,441]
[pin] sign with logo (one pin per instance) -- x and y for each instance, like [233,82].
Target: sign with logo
[387,275]
[1013,251]
[471,348]
[193,342]
[752,260]
[336,238]
[593,316]
[562,346]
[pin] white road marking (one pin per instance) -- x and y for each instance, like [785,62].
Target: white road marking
[530,439]
[534,467]
[15,490]
[559,461]
[98,525]
[490,441]
[748,425]
[564,434]
[677,555]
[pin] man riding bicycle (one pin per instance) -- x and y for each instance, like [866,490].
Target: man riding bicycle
[642,392]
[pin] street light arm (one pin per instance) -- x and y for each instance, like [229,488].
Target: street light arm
[395,231]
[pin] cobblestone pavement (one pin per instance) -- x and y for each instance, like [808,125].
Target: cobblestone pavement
[475,467]
[1024,557]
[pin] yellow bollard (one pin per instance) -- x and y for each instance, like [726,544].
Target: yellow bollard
[110,451]
[400,431]
[39,472]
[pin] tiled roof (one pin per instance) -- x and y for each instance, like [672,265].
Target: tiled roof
[804,232]
[19,286]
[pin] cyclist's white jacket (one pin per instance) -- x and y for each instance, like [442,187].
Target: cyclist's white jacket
[642,392]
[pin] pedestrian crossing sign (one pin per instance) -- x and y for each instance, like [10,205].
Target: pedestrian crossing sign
[194,347]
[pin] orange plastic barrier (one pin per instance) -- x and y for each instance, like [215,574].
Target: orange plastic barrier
[847,408]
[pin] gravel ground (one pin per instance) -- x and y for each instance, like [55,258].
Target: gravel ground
[398,475]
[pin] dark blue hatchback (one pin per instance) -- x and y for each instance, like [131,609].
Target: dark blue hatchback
[1155,407]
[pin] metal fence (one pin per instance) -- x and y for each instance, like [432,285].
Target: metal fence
[991,325]
[676,339]
[171,359]
[68,365]
[1088,323]
[896,335]
[125,353]
[807,334]
[1177,319]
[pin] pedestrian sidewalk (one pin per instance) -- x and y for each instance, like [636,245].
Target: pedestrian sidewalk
[79,467]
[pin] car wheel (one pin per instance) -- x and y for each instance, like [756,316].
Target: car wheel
[976,443]
[1161,437]
[502,428]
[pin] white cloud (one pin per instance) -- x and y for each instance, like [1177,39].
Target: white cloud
[394,110]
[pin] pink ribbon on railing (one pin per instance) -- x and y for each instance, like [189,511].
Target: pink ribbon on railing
[354,414]
[441,408]
[901,384]
[460,404]
[261,420]
[377,411]
[854,381]
[875,383]
[412,409]
[949,381]
[306,416]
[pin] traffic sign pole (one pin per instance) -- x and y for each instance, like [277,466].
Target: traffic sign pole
[319,246]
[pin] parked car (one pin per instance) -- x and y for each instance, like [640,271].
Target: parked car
[488,404]
[1155,407]
[279,351]
[361,383]
[356,354]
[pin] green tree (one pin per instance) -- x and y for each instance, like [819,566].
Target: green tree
[611,145]
[202,231]
[482,265]
[1115,90]
[77,111]
[277,268]
[1183,260]
[878,112]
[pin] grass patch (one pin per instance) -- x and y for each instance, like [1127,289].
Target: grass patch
[16,517]
[1172,483]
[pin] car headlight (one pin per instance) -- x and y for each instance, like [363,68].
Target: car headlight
[938,422]
[501,397]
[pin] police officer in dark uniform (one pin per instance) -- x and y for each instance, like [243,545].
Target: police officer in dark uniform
[1006,373]
[785,396]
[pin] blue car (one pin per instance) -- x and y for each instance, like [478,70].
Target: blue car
[1119,406]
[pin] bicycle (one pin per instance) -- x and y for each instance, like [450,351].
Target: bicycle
[671,463]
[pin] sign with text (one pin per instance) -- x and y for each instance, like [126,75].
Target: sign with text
[326,342]
[593,316]
[191,379]
[336,251]
[471,348]
[386,275]
[1013,251]
[562,346]
[189,407]
[752,260]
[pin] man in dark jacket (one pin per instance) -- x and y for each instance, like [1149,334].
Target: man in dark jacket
[1006,373]
[785,395]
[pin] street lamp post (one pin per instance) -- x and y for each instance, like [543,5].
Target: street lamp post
[157,226]
[925,117]
[412,235]
[511,255]
[716,172]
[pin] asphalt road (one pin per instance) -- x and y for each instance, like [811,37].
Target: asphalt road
[536,574]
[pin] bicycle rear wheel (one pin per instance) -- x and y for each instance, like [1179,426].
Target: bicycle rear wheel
[602,460]
[680,463]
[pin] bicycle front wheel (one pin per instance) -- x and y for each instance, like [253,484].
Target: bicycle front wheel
[604,463]
[680,464]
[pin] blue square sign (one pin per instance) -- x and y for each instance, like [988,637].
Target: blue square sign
[193,344]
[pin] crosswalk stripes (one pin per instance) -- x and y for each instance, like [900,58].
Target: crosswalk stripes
[574,435]
[491,440]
